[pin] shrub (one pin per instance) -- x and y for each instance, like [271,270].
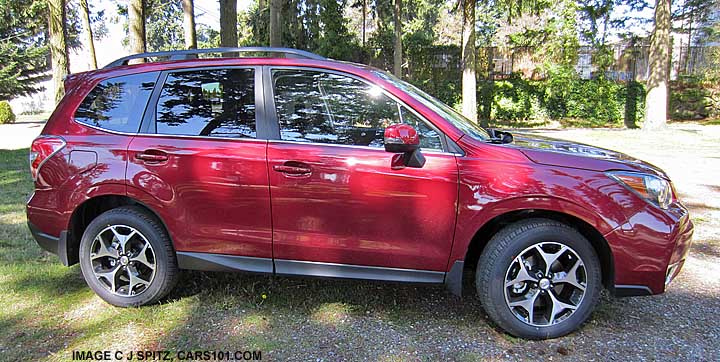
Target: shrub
[693,97]
[561,96]
[513,99]
[599,101]
[6,113]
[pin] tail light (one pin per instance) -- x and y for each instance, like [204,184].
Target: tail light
[41,150]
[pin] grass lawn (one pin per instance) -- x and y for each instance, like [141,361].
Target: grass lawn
[47,311]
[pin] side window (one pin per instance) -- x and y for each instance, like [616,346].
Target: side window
[214,103]
[429,138]
[117,104]
[321,107]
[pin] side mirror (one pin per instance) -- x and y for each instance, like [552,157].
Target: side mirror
[404,139]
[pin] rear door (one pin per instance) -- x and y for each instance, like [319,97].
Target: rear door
[337,205]
[201,162]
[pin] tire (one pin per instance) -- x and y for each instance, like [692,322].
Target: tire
[527,245]
[140,272]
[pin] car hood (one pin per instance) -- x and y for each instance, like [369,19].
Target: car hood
[556,152]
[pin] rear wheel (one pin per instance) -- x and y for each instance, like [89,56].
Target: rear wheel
[538,279]
[127,258]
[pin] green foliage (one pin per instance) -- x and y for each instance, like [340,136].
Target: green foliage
[694,97]
[514,99]
[6,113]
[563,95]
[23,50]
[318,26]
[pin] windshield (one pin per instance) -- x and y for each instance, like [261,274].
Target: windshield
[468,127]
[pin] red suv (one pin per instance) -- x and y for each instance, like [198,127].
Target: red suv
[293,164]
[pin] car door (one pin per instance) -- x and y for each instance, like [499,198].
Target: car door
[337,205]
[202,164]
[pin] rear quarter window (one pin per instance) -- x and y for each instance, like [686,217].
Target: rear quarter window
[117,104]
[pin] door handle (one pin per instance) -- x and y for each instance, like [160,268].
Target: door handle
[293,169]
[152,156]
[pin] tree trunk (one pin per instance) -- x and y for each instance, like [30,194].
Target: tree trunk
[364,21]
[88,31]
[397,55]
[275,28]
[469,81]
[58,46]
[136,28]
[659,59]
[189,24]
[228,23]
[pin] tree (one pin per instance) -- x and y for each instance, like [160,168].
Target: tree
[469,80]
[656,99]
[228,23]
[189,24]
[58,46]
[397,49]
[87,25]
[23,49]
[136,27]
[164,28]
[275,31]
[333,39]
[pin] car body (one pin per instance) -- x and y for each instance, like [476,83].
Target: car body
[325,206]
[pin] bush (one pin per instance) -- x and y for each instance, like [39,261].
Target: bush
[561,96]
[514,99]
[6,113]
[693,97]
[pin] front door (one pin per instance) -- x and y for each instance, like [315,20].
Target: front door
[335,198]
[201,162]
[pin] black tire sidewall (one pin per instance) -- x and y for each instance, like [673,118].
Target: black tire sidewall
[155,237]
[494,292]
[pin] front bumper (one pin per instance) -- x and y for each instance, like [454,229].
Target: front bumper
[54,244]
[650,249]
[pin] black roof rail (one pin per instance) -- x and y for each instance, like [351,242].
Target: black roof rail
[192,54]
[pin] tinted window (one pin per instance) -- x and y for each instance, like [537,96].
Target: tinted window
[117,104]
[329,108]
[215,103]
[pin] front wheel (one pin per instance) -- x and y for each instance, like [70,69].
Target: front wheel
[127,258]
[538,279]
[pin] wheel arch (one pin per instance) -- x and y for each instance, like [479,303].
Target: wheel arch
[91,208]
[490,228]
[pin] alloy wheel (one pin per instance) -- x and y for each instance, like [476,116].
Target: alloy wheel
[123,260]
[545,284]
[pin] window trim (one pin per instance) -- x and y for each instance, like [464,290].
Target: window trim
[149,125]
[142,117]
[272,116]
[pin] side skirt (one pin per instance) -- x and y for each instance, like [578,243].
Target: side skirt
[221,262]
[331,270]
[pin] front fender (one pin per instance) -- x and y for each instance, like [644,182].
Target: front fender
[491,189]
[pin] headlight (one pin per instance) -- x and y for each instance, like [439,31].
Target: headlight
[652,188]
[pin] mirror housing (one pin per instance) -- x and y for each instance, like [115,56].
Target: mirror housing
[404,140]
[498,136]
[401,138]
